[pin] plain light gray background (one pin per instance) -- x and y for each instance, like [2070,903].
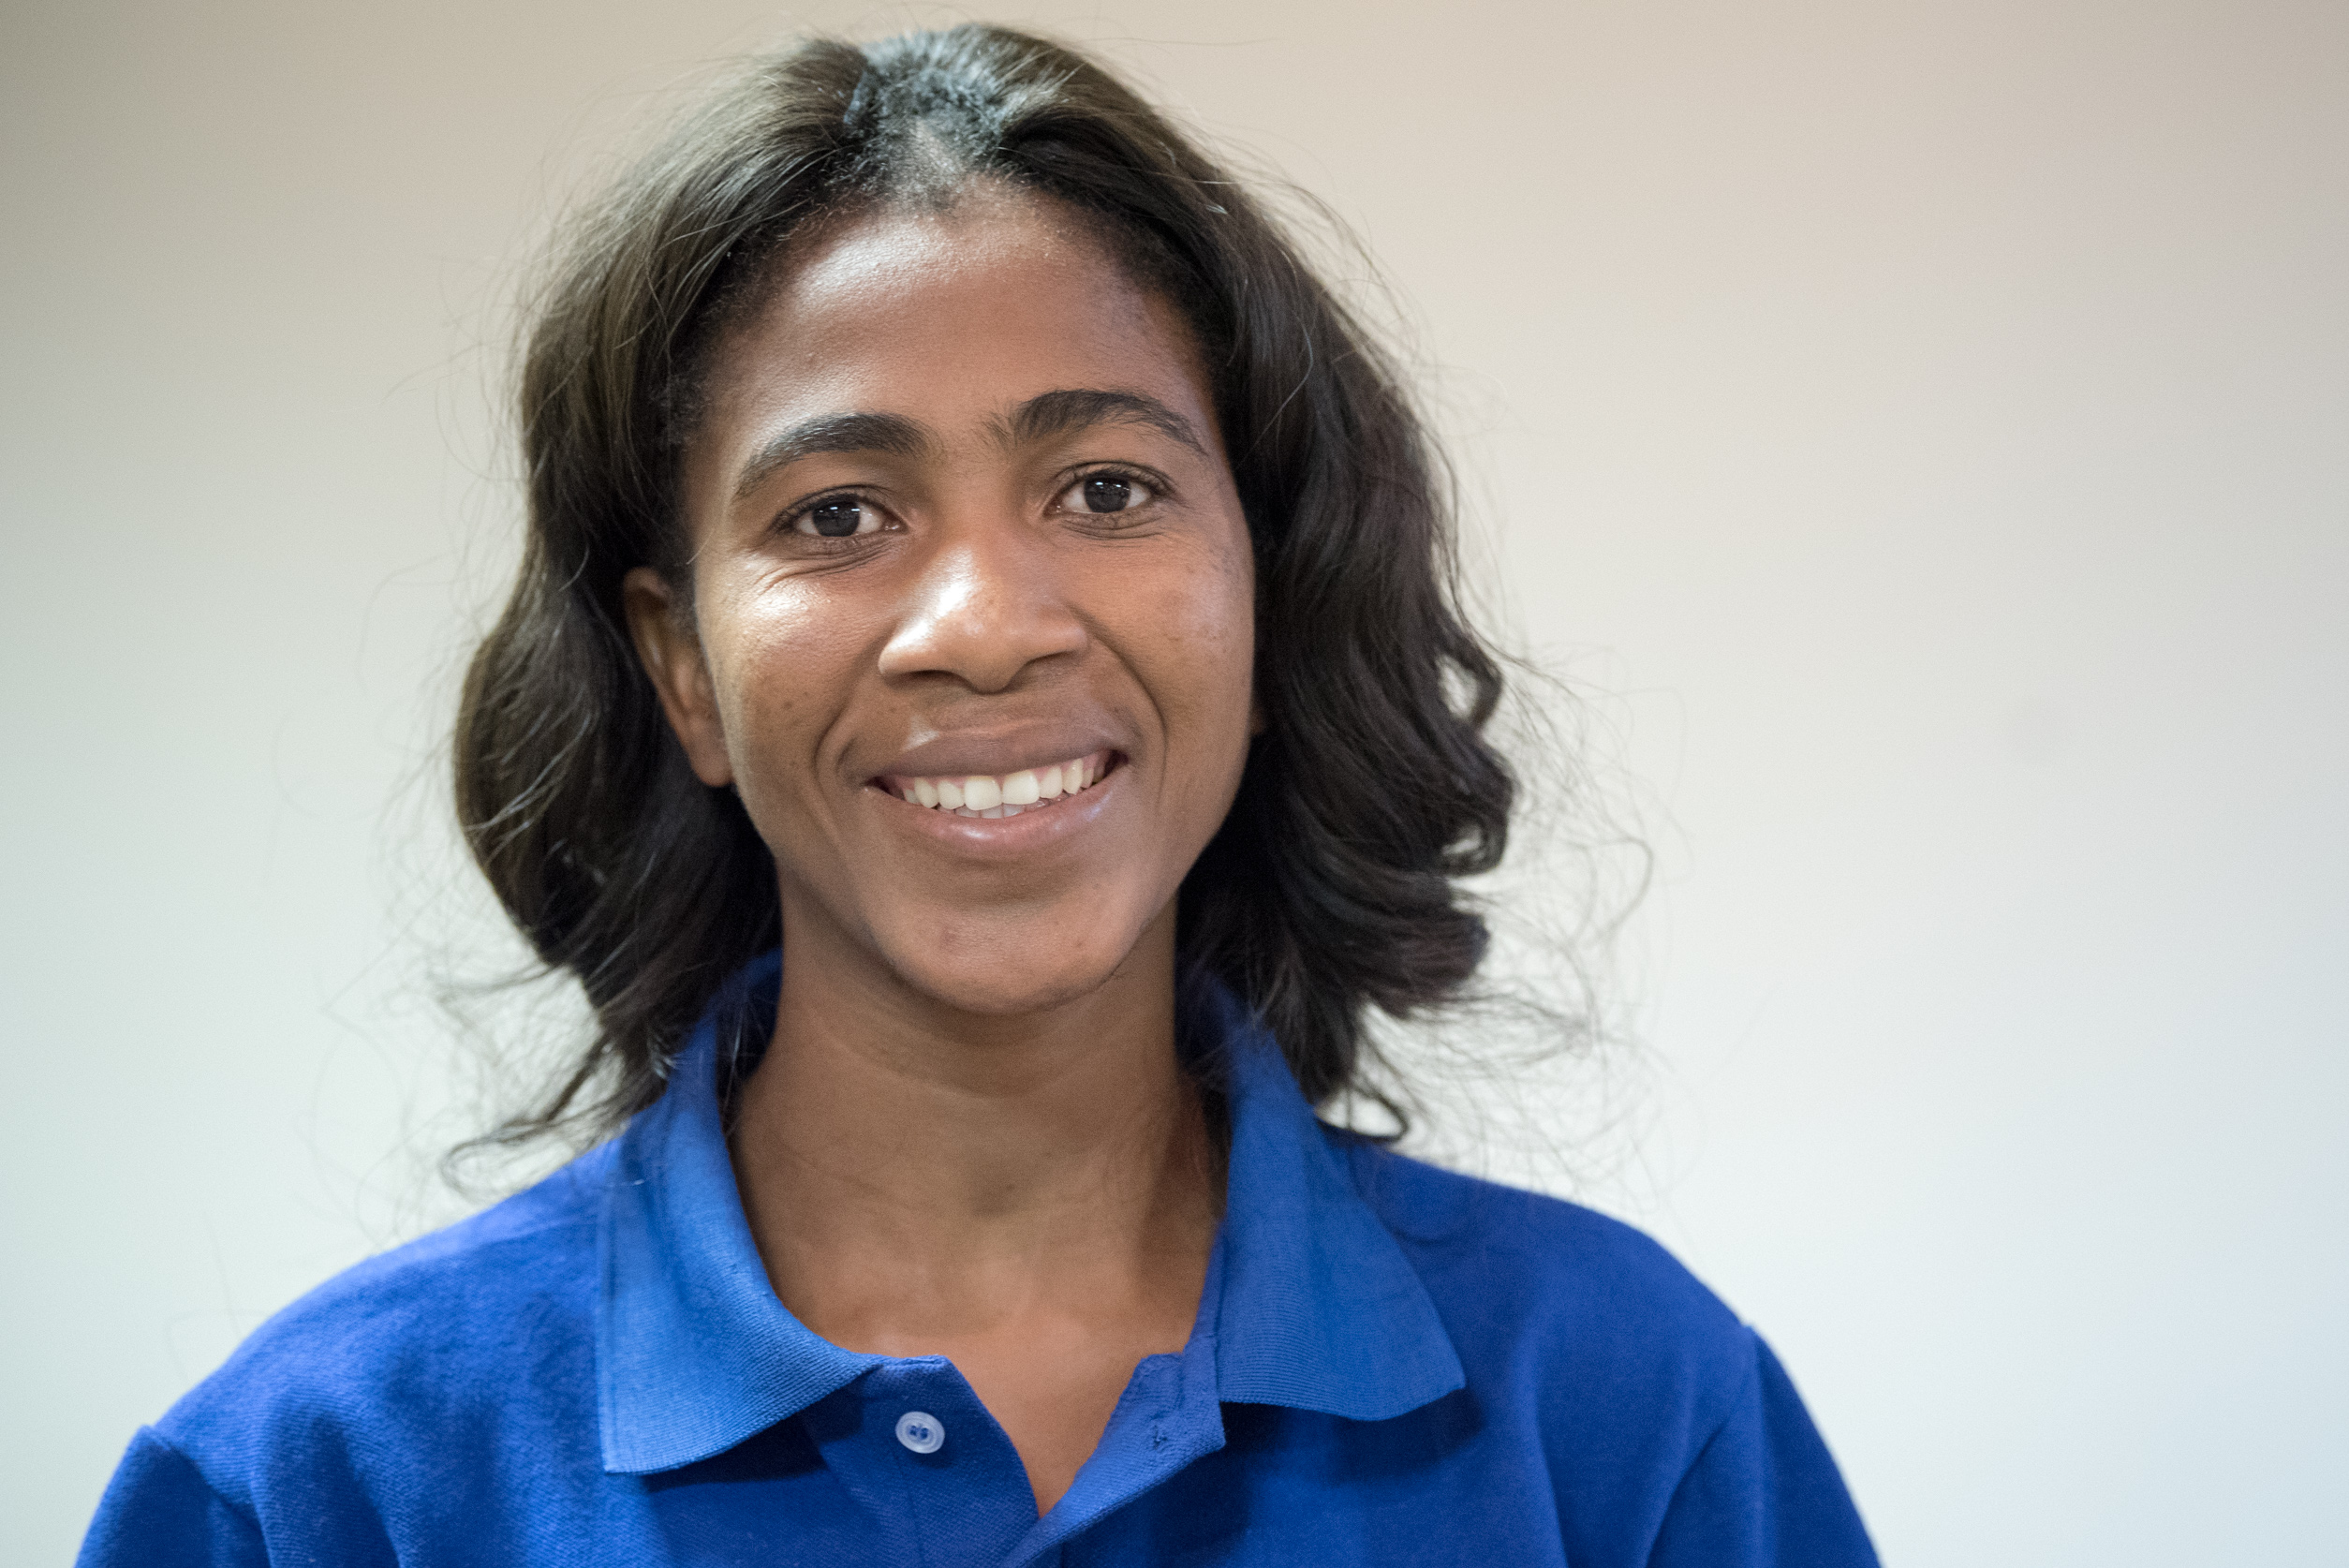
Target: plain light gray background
[1923,427]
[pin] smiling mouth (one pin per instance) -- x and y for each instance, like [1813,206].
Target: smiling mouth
[995,795]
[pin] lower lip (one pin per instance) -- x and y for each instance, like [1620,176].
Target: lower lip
[1032,829]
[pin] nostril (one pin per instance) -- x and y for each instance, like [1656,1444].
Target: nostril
[982,623]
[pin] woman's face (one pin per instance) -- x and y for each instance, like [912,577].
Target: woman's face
[964,532]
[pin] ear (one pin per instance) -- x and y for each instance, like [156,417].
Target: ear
[680,673]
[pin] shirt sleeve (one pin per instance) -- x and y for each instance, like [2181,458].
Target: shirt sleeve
[1764,1491]
[160,1512]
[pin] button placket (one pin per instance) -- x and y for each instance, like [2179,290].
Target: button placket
[963,1491]
[1154,1434]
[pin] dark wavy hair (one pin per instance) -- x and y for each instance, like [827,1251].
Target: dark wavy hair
[1331,887]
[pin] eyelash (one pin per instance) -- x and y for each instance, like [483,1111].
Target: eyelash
[1155,487]
[1140,478]
[791,520]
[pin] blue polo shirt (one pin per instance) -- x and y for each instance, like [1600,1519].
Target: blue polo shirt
[1391,1363]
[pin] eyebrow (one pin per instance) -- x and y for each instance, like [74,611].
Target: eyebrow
[1040,419]
[892,434]
[1058,413]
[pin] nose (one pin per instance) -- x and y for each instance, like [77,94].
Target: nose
[988,604]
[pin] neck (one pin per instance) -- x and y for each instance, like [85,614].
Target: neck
[914,1173]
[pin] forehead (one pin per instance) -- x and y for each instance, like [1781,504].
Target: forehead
[949,314]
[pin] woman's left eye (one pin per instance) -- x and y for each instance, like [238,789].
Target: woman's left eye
[1107,493]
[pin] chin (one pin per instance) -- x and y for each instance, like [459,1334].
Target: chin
[1038,990]
[1006,978]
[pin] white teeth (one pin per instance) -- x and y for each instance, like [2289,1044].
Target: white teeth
[979,795]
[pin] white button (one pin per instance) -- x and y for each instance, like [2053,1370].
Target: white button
[921,1431]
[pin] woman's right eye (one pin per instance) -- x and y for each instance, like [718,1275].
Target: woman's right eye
[841,517]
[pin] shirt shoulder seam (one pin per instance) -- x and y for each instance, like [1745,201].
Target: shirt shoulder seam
[1729,1413]
[250,1520]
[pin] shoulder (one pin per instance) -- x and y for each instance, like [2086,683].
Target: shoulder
[1558,1300]
[426,1338]
[1545,1254]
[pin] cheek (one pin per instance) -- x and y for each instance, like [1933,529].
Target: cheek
[784,659]
[1201,627]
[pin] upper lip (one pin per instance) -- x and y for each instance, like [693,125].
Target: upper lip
[994,751]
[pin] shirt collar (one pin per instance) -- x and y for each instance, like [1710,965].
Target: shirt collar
[1309,1302]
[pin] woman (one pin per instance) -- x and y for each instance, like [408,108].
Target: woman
[982,717]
